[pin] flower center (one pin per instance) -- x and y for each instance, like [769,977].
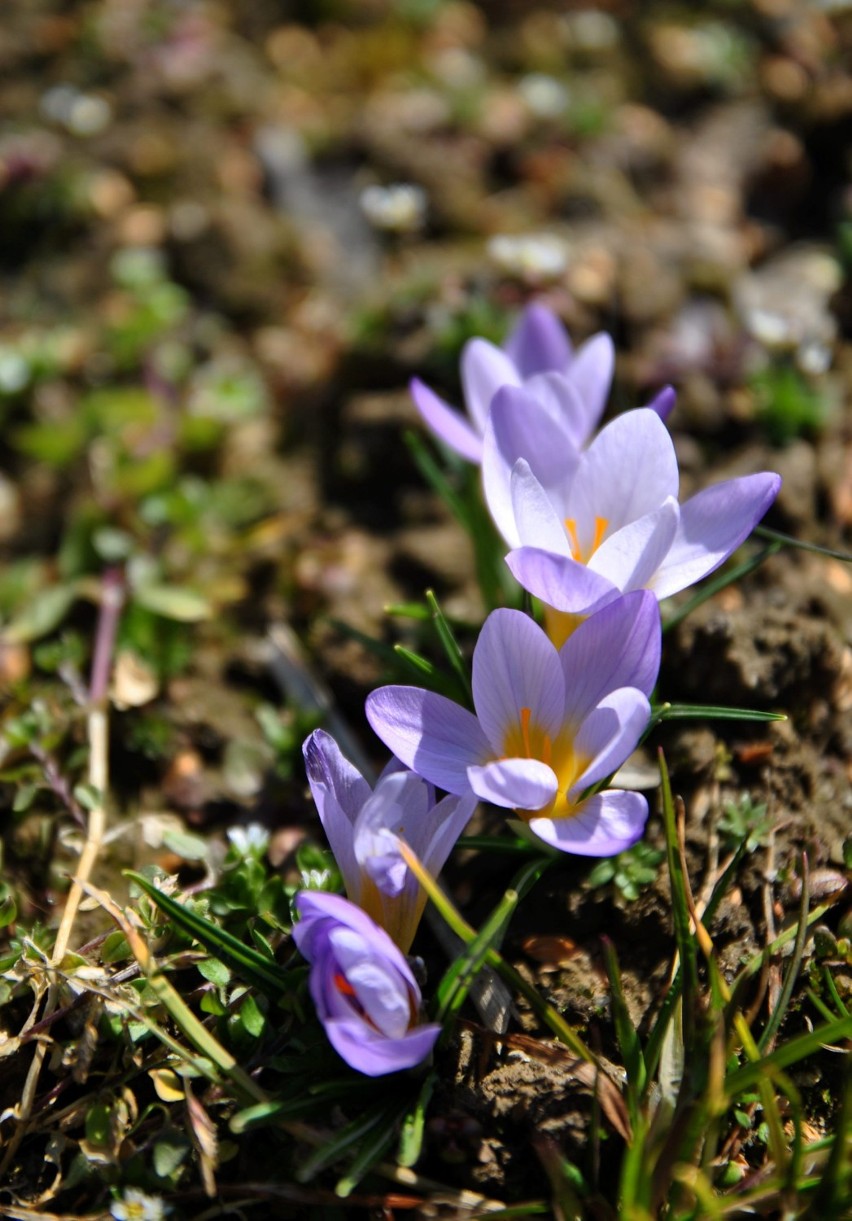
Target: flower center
[577,552]
[344,987]
[528,740]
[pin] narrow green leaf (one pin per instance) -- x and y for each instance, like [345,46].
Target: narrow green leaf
[450,645]
[626,1033]
[408,610]
[459,976]
[413,1125]
[373,1121]
[374,1147]
[791,1052]
[436,478]
[421,664]
[250,965]
[686,944]
[828,978]
[793,966]
[787,540]
[427,672]
[708,712]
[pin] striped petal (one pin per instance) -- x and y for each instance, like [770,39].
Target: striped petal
[516,667]
[604,825]
[619,646]
[429,733]
[712,526]
[538,342]
[446,423]
[484,369]
[515,784]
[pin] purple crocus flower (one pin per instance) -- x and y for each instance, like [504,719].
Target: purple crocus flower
[548,724]
[539,356]
[364,826]
[363,989]
[584,527]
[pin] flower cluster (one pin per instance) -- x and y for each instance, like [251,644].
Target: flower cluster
[597,534]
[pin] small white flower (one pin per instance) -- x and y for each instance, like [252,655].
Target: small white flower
[252,840]
[398,208]
[531,256]
[136,1205]
[545,96]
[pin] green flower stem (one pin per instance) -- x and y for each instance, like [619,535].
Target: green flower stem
[494,959]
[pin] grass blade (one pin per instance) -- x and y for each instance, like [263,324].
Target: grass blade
[450,646]
[777,1015]
[709,712]
[427,672]
[628,1038]
[787,540]
[686,942]
[747,1076]
[413,1125]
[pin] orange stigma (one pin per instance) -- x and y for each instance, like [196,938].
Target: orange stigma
[343,985]
[545,749]
[601,524]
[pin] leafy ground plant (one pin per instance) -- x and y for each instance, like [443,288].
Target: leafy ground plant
[248,1006]
[213,298]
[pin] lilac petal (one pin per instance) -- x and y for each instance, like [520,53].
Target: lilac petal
[339,792]
[609,734]
[631,556]
[379,989]
[392,766]
[371,1053]
[435,737]
[515,667]
[399,806]
[447,423]
[663,402]
[484,369]
[712,526]
[627,471]
[432,841]
[604,825]
[557,396]
[538,342]
[329,771]
[319,912]
[560,581]
[537,520]
[515,784]
[519,428]
[618,646]
[591,374]
[448,820]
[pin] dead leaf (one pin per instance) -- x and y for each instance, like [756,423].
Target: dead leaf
[550,950]
[203,1132]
